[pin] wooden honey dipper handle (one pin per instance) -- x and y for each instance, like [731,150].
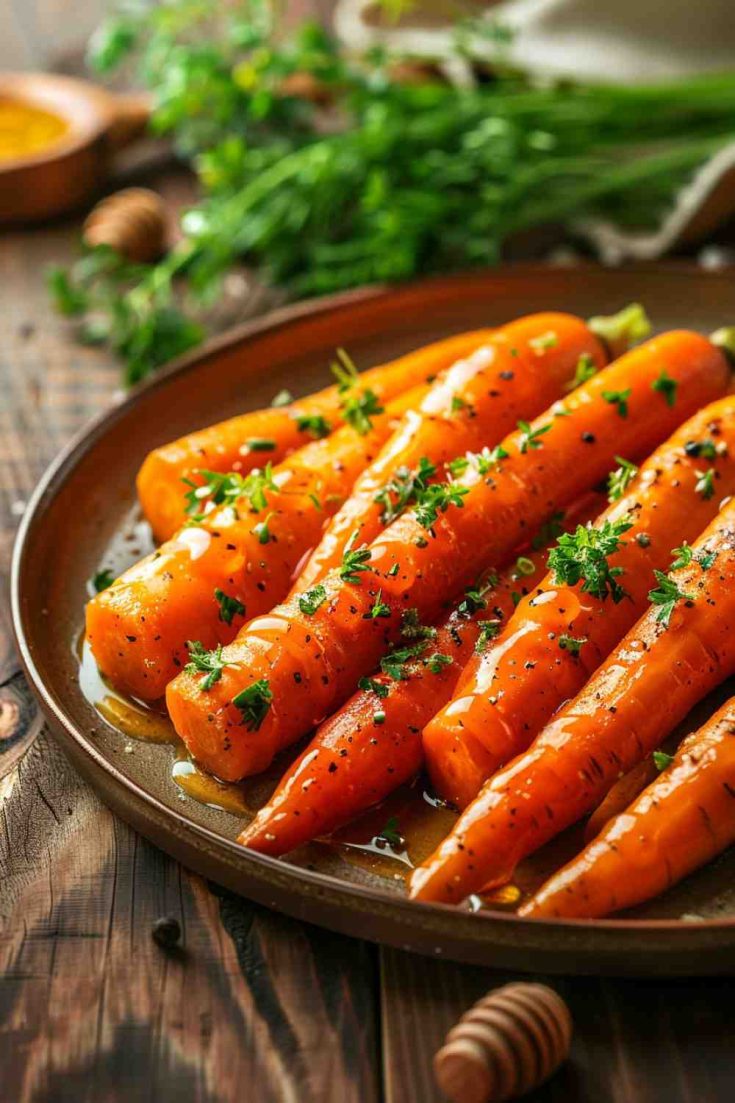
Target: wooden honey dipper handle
[509,1042]
[133,222]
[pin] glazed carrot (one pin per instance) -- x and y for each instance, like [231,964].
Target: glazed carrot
[236,444]
[562,632]
[373,743]
[235,563]
[286,671]
[617,799]
[682,820]
[679,650]
[517,373]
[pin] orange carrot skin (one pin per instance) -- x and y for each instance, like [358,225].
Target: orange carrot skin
[224,446]
[520,370]
[505,696]
[681,821]
[312,662]
[353,761]
[617,799]
[139,627]
[630,704]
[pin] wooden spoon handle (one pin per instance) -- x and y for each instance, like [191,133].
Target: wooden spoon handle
[131,112]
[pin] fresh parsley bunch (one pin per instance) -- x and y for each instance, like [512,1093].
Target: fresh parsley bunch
[325,171]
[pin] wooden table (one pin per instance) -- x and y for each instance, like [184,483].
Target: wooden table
[257,1006]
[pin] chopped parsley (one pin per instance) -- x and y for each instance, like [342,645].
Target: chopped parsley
[662,760]
[436,499]
[665,596]
[378,609]
[226,488]
[705,484]
[394,570]
[404,488]
[394,662]
[572,644]
[262,531]
[354,562]
[619,399]
[210,663]
[102,580]
[530,436]
[685,556]
[371,685]
[358,406]
[666,386]
[583,555]
[458,404]
[524,566]
[261,444]
[620,479]
[314,424]
[586,368]
[311,599]
[254,702]
[489,630]
[544,342]
[436,662]
[413,629]
[229,607]
[474,597]
[391,833]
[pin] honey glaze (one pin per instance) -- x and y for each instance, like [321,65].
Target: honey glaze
[26,129]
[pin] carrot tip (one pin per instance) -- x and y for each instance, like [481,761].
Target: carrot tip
[622,330]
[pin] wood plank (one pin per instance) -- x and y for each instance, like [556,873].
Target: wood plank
[636,1041]
[91,1009]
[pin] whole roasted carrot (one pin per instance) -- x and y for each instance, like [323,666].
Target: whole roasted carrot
[289,669]
[235,562]
[245,442]
[516,373]
[677,652]
[682,820]
[597,588]
[373,743]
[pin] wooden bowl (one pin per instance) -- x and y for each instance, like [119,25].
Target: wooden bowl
[70,172]
[84,503]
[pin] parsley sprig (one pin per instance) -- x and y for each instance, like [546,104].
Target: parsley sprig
[405,487]
[665,596]
[530,437]
[229,607]
[436,499]
[354,562]
[582,556]
[358,405]
[201,661]
[219,488]
[620,479]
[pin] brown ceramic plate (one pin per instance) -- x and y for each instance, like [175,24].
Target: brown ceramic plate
[84,504]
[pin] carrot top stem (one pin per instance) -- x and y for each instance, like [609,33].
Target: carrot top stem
[622,330]
[724,339]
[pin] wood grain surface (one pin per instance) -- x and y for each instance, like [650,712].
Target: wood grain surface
[253,1006]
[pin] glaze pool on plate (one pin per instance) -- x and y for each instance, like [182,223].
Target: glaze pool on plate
[84,504]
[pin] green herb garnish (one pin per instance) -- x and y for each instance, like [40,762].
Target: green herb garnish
[530,436]
[391,833]
[586,368]
[254,702]
[314,424]
[354,562]
[667,387]
[371,685]
[489,630]
[436,662]
[261,444]
[436,499]
[619,399]
[378,609]
[311,599]
[665,596]
[406,487]
[229,607]
[662,760]
[582,556]
[102,580]
[283,398]
[620,479]
[705,484]
[572,644]
[210,663]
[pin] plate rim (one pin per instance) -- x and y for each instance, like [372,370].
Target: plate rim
[688,931]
